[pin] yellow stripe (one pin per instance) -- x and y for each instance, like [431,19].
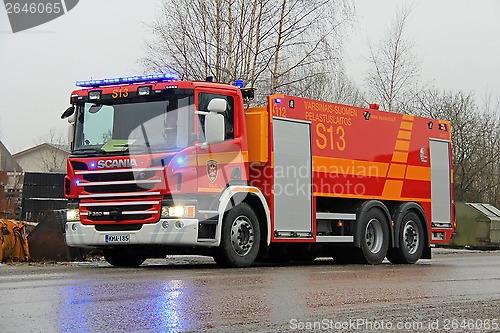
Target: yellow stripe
[372,169]
[355,196]
[397,171]
[402,145]
[349,167]
[418,173]
[406,125]
[190,161]
[406,135]
[392,189]
[244,189]
[408,117]
[400,157]
[211,190]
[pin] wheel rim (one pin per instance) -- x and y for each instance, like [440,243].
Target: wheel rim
[242,235]
[411,238]
[374,236]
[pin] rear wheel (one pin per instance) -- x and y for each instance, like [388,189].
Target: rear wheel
[411,241]
[124,257]
[374,237]
[240,238]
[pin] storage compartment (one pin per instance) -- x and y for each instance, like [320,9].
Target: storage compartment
[257,133]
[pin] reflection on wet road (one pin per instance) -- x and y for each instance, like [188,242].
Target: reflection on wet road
[187,296]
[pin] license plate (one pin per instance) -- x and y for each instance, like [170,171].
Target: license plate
[117,238]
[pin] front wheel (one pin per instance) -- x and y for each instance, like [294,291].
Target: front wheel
[240,238]
[124,257]
[411,241]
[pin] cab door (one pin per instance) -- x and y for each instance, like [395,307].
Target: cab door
[220,164]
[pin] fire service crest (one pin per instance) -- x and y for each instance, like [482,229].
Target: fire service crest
[212,170]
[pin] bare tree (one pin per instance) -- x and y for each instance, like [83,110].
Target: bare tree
[272,45]
[332,86]
[394,65]
[476,142]
[53,159]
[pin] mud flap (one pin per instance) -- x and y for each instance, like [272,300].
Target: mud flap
[427,253]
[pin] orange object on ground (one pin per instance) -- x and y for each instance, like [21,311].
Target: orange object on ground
[14,245]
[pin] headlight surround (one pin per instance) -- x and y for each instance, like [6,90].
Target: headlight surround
[73,214]
[178,211]
[93,95]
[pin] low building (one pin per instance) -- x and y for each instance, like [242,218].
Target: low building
[11,182]
[44,157]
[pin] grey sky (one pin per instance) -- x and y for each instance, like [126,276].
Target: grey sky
[457,40]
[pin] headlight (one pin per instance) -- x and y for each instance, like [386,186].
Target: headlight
[178,211]
[73,214]
[94,95]
[144,91]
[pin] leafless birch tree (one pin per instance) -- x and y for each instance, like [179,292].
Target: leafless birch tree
[273,45]
[476,142]
[394,65]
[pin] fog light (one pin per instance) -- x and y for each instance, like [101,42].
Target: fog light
[165,224]
[73,227]
[73,214]
[179,224]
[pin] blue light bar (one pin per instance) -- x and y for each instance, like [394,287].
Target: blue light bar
[127,79]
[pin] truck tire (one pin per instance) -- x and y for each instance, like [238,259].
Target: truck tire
[124,257]
[374,239]
[240,238]
[411,241]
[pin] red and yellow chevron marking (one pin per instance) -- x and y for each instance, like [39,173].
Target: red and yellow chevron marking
[398,167]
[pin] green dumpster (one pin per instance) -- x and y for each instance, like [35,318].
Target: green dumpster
[478,226]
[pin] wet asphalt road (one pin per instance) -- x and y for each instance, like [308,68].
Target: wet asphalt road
[457,291]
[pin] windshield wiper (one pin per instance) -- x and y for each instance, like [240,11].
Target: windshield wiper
[82,151]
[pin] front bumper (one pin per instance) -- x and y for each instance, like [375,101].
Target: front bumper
[177,232]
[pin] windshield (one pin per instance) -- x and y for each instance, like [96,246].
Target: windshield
[152,126]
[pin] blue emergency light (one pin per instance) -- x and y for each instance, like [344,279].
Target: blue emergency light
[127,79]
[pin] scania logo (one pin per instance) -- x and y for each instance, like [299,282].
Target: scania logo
[109,164]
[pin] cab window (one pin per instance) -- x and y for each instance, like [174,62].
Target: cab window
[205,98]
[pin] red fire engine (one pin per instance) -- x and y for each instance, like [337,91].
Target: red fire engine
[161,166]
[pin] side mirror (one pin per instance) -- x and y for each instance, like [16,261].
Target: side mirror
[68,112]
[214,129]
